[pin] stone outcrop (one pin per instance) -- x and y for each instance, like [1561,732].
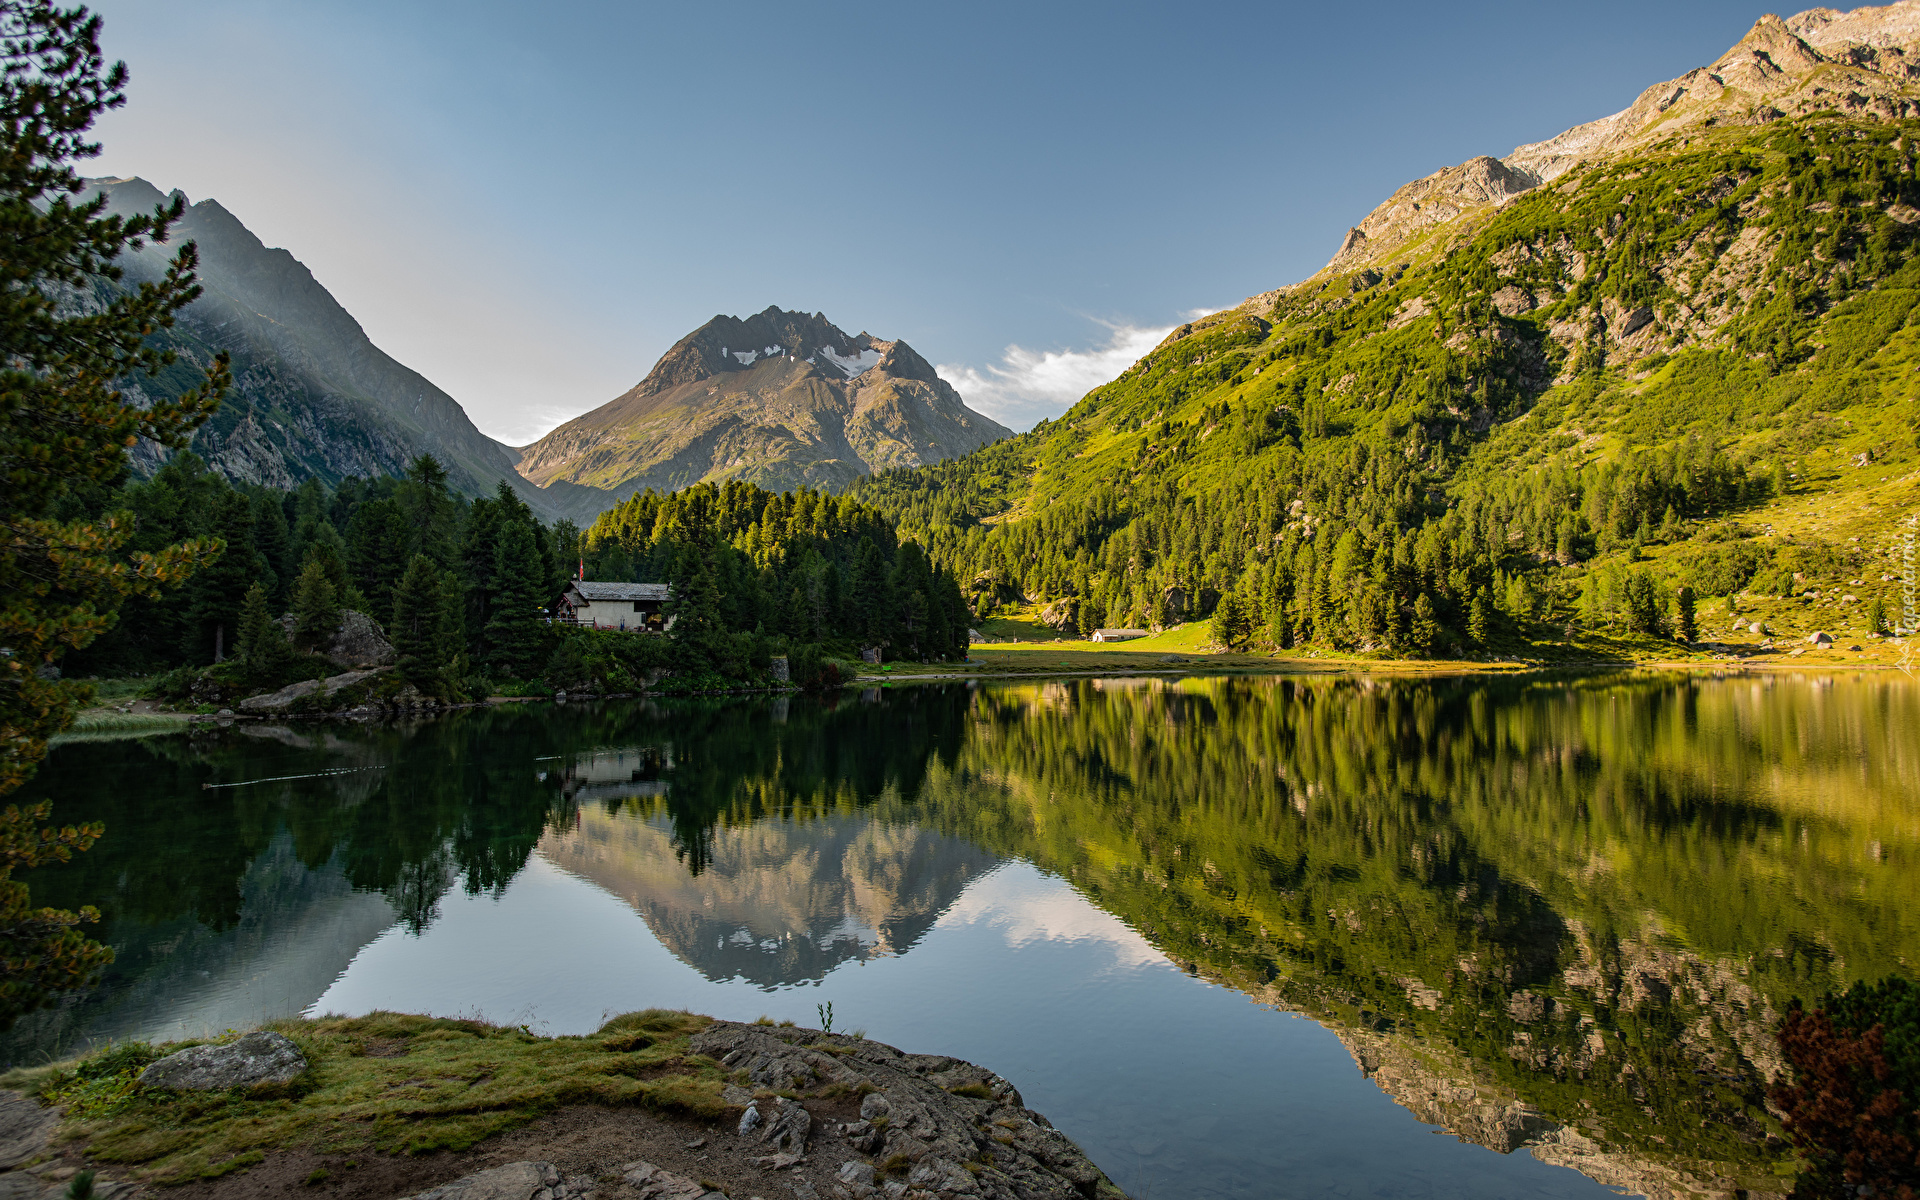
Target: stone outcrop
[256,1060]
[949,1128]
[318,693]
[358,644]
[27,1170]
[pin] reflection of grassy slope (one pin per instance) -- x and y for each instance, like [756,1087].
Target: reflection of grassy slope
[1343,846]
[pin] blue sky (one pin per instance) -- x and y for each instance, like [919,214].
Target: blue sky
[529,203]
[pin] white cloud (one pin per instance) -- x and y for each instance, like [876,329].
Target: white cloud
[1027,385]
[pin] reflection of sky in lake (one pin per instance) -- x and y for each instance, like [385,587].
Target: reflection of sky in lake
[1173,1084]
[1497,895]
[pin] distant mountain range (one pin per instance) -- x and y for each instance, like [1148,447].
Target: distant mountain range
[780,399]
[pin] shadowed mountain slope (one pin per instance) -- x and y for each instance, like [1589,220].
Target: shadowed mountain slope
[312,396]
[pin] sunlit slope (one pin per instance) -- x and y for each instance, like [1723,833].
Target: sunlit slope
[1700,355]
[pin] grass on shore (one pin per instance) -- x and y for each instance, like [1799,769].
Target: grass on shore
[98,725]
[1018,644]
[385,1082]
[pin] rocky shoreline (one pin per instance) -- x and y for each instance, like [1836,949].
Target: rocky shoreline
[799,1112]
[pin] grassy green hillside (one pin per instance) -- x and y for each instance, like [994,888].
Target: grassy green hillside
[1693,368]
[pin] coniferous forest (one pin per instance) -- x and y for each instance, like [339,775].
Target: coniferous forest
[466,589]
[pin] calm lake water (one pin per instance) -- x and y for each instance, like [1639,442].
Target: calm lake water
[1240,937]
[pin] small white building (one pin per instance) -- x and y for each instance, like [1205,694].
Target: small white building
[1118,635]
[631,606]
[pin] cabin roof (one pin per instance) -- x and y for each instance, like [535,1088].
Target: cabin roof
[590,590]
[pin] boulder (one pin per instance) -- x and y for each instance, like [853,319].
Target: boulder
[359,642]
[1061,614]
[1820,639]
[323,689]
[537,1181]
[255,1060]
[656,1183]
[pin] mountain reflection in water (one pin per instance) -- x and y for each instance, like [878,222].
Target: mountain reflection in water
[780,901]
[1560,914]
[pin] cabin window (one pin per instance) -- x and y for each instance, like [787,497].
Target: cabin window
[637,608]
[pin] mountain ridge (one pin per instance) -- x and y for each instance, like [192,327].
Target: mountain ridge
[312,394]
[1862,62]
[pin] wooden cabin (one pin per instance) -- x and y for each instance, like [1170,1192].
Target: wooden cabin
[635,607]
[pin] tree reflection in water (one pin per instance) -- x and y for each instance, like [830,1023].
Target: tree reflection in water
[1557,912]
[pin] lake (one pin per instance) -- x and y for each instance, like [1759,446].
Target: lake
[1238,936]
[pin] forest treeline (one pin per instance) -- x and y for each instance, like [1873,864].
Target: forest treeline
[467,589]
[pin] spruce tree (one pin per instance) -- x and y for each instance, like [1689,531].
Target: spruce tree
[378,537]
[316,607]
[451,637]
[430,512]
[697,626]
[516,624]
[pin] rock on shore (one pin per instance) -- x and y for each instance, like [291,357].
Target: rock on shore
[929,1126]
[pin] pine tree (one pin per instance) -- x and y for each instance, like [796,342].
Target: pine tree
[430,513]
[64,434]
[1684,621]
[274,542]
[1230,627]
[378,538]
[1480,617]
[516,625]
[422,647]
[316,606]
[261,643]
[215,593]
[1425,634]
[1877,616]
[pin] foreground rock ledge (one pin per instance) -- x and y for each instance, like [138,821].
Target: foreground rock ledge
[935,1126]
[929,1128]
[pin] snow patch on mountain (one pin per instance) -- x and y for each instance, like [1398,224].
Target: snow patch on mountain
[853,364]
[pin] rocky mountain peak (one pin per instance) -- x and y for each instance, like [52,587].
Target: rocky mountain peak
[729,344]
[897,360]
[1865,62]
[782,399]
